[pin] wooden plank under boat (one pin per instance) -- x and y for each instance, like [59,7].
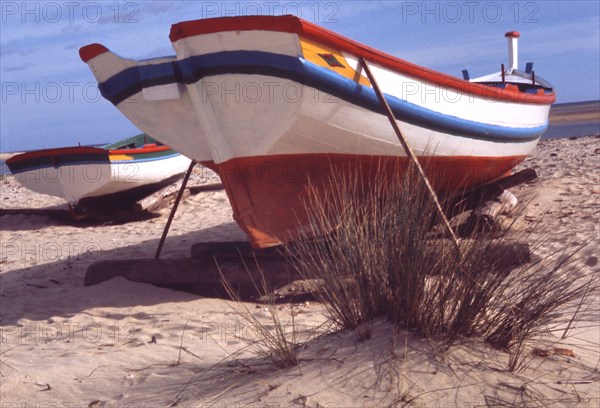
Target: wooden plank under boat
[282,104]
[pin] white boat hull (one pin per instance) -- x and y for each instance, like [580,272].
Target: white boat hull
[281,104]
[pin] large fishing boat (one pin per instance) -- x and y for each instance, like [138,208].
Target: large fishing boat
[280,103]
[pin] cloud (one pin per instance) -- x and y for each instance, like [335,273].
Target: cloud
[468,50]
[573,36]
[14,68]
[159,7]
[160,52]
[14,50]
[71,29]
[487,49]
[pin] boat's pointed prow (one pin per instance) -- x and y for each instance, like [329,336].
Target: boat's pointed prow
[151,94]
[103,62]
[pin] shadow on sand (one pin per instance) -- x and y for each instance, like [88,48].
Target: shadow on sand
[58,286]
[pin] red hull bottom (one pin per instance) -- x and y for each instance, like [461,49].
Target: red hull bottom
[268,194]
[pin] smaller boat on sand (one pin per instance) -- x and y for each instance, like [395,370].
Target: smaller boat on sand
[112,176]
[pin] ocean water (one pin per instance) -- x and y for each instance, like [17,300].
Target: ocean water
[555,131]
[577,129]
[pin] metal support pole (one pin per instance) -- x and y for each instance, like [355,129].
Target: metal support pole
[174,209]
[409,151]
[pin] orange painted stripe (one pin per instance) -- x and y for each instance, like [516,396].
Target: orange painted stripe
[119,157]
[153,148]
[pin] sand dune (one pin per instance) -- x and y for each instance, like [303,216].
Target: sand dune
[121,343]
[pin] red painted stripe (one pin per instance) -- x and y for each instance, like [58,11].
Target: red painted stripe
[91,51]
[292,24]
[288,24]
[55,152]
[268,193]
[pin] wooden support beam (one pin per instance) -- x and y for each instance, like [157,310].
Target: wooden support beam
[199,276]
[174,209]
[233,250]
[203,276]
[409,152]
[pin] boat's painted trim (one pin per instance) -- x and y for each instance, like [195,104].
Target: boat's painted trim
[190,70]
[153,148]
[81,155]
[331,59]
[56,157]
[292,24]
[126,156]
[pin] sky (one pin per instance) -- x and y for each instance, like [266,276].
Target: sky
[50,97]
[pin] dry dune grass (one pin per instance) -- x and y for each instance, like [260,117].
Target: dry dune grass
[276,340]
[388,275]
[380,259]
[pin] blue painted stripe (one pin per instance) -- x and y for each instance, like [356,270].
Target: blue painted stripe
[190,70]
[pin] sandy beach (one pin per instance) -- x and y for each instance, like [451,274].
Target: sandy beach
[126,344]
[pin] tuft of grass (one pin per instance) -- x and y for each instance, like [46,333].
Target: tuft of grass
[272,340]
[377,254]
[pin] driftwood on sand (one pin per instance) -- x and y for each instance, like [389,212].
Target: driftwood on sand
[488,202]
[160,199]
[165,197]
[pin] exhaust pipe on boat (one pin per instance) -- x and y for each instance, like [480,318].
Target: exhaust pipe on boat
[513,50]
